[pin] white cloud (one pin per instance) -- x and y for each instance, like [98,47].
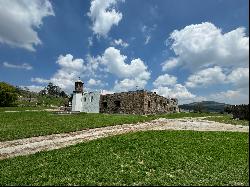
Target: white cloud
[33,88]
[104,15]
[147,32]
[178,91]
[165,80]
[170,64]
[230,97]
[129,84]
[93,82]
[148,37]
[239,77]
[69,71]
[206,77]
[133,75]
[19,20]
[90,41]
[104,92]
[40,80]
[115,62]
[202,45]
[68,63]
[119,42]
[25,66]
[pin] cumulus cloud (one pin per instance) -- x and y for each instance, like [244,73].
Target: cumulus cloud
[19,20]
[132,75]
[170,64]
[230,97]
[95,83]
[119,42]
[239,77]
[104,15]
[206,77]
[129,84]
[115,63]
[178,91]
[165,80]
[25,66]
[69,71]
[199,46]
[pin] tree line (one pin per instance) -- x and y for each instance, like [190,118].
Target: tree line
[238,111]
[9,94]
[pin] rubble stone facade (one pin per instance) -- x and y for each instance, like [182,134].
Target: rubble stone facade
[137,102]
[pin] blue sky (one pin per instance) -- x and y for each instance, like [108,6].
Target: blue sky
[193,50]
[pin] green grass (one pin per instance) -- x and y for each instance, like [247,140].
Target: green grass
[142,158]
[3,109]
[23,124]
[27,124]
[228,119]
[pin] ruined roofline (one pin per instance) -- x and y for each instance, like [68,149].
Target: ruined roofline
[142,90]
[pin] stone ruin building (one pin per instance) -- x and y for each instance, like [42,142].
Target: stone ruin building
[131,102]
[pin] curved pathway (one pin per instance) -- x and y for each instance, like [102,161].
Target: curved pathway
[55,141]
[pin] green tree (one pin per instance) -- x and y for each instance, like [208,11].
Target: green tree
[53,90]
[8,95]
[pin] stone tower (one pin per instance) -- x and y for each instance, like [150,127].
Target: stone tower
[79,86]
[77,96]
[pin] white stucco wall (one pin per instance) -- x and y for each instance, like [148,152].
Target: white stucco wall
[77,102]
[90,102]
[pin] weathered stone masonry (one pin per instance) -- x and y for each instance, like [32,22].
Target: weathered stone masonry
[132,102]
[137,102]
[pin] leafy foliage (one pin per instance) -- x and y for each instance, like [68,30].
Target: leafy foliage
[8,95]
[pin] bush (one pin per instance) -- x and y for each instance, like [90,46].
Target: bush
[8,95]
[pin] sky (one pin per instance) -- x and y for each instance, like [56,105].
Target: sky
[190,50]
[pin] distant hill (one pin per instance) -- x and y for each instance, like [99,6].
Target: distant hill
[207,106]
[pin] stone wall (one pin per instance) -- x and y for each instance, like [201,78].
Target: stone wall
[123,103]
[156,104]
[137,102]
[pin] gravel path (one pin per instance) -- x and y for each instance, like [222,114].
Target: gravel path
[55,141]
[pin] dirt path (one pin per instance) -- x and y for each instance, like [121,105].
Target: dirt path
[55,141]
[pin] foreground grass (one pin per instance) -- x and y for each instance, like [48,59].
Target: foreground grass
[227,119]
[3,109]
[16,125]
[27,124]
[142,158]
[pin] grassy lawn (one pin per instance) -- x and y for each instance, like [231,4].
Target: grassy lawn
[227,119]
[27,124]
[2,109]
[142,158]
[23,124]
